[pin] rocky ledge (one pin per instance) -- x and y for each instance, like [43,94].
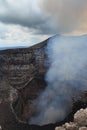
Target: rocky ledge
[80,122]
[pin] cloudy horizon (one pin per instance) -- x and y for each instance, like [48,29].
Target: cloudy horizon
[26,22]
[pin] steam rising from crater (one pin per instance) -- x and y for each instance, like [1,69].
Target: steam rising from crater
[66,78]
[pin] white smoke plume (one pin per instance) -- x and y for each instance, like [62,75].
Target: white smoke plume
[66,78]
[69,15]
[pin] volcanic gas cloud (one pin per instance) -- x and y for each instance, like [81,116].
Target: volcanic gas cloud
[66,78]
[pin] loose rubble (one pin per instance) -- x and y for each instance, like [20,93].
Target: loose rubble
[80,122]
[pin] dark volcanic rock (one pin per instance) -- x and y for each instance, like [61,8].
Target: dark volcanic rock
[21,79]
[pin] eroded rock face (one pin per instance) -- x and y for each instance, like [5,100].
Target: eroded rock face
[21,79]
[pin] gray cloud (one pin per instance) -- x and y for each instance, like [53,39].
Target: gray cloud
[25,13]
[14,35]
[3,31]
[45,16]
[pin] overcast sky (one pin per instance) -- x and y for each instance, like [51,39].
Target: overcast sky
[27,22]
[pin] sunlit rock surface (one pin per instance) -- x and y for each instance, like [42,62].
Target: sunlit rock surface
[80,121]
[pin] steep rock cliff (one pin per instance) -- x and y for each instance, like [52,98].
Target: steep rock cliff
[22,74]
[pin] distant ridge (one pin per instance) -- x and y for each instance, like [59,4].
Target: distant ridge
[14,47]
